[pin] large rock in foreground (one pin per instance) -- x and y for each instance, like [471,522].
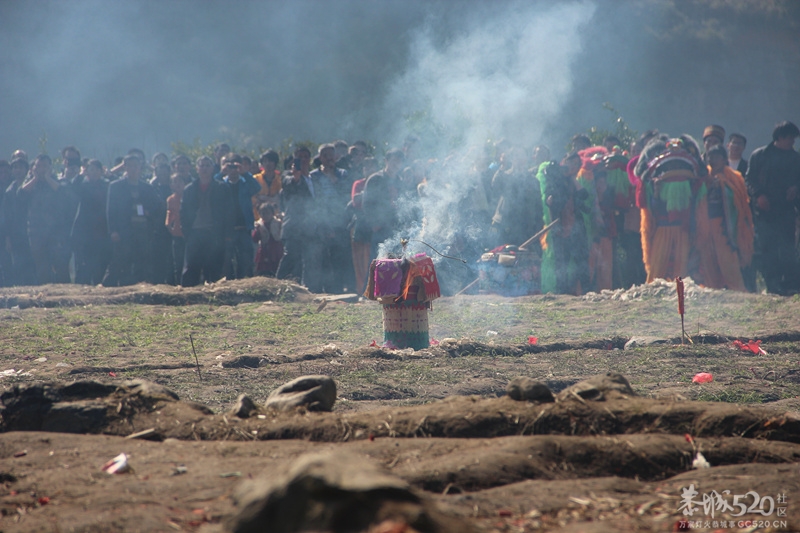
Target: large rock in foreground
[336,492]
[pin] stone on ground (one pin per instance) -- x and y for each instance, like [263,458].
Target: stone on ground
[637,342]
[524,389]
[148,389]
[315,393]
[598,388]
[245,407]
[242,361]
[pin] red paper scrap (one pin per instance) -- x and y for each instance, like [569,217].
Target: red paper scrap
[533,340]
[702,377]
[750,346]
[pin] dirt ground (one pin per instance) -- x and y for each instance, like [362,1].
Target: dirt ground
[437,418]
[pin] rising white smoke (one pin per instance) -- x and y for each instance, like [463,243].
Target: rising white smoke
[506,71]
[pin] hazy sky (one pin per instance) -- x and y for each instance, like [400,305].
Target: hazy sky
[107,76]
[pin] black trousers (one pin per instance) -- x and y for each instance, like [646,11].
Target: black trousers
[303,261]
[130,259]
[203,258]
[91,261]
[777,255]
[178,253]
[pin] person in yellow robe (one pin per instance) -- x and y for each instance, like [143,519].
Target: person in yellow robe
[724,236]
[670,171]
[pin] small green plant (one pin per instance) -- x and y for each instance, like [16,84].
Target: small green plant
[731,396]
[43,143]
[192,151]
[619,128]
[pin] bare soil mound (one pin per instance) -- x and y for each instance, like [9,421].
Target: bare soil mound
[92,407]
[223,292]
[495,461]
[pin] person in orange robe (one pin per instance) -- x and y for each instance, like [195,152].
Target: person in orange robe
[669,170]
[724,238]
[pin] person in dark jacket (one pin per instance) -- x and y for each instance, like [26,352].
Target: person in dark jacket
[132,209]
[519,210]
[207,220]
[5,254]
[773,183]
[48,204]
[15,227]
[161,239]
[381,192]
[90,239]
[333,186]
[302,257]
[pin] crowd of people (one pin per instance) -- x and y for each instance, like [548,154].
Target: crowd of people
[613,215]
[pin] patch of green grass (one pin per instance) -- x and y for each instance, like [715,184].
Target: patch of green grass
[126,335]
[728,395]
[363,375]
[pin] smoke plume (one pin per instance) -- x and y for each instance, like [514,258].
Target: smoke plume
[494,72]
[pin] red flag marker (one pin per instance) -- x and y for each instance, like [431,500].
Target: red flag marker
[679,288]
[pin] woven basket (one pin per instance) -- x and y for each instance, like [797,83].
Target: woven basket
[405,323]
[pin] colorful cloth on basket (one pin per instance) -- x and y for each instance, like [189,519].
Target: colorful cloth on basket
[388,278]
[422,273]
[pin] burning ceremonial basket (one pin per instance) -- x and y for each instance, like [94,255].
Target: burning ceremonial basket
[509,271]
[405,288]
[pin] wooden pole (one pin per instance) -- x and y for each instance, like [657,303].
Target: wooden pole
[195,357]
[541,232]
[468,287]
[679,290]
